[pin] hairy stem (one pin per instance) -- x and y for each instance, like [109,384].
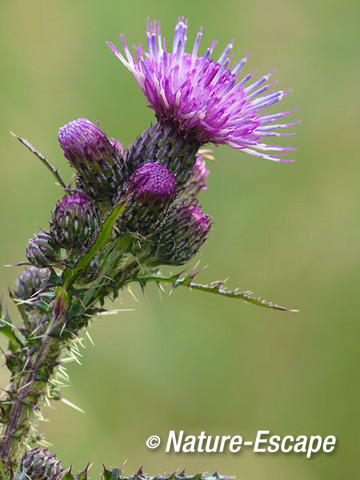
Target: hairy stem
[29,386]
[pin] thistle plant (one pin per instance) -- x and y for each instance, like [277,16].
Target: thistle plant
[128,211]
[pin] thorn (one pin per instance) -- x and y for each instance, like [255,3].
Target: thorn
[161,287]
[128,288]
[90,339]
[113,312]
[20,264]
[72,405]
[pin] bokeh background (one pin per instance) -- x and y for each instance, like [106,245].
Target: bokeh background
[290,233]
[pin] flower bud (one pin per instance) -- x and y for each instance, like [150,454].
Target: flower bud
[152,184]
[184,231]
[100,163]
[42,250]
[30,281]
[39,464]
[74,222]
[151,189]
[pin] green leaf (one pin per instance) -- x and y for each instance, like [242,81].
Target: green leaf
[215,287]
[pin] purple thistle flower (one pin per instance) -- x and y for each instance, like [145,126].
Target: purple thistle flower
[204,97]
[153,184]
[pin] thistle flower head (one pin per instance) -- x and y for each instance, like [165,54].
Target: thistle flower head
[205,98]
[153,184]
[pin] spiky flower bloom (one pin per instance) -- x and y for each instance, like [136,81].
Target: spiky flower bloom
[99,161]
[42,250]
[204,98]
[182,234]
[39,464]
[74,222]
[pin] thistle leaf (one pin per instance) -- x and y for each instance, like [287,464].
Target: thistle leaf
[216,288]
[102,237]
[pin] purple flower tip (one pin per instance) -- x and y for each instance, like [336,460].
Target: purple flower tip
[72,203]
[153,183]
[203,96]
[82,139]
[199,221]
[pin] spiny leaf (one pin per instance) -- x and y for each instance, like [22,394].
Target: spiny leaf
[112,474]
[215,287]
[103,235]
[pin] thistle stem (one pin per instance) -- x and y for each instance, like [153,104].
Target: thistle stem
[29,386]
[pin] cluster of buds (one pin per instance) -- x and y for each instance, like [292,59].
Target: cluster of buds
[160,194]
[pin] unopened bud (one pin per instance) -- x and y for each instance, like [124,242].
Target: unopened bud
[42,250]
[100,164]
[182,234]
[74,222]
[30,281]
[39,464]
[150,191]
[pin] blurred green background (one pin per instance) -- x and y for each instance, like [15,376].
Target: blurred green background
[288,232]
